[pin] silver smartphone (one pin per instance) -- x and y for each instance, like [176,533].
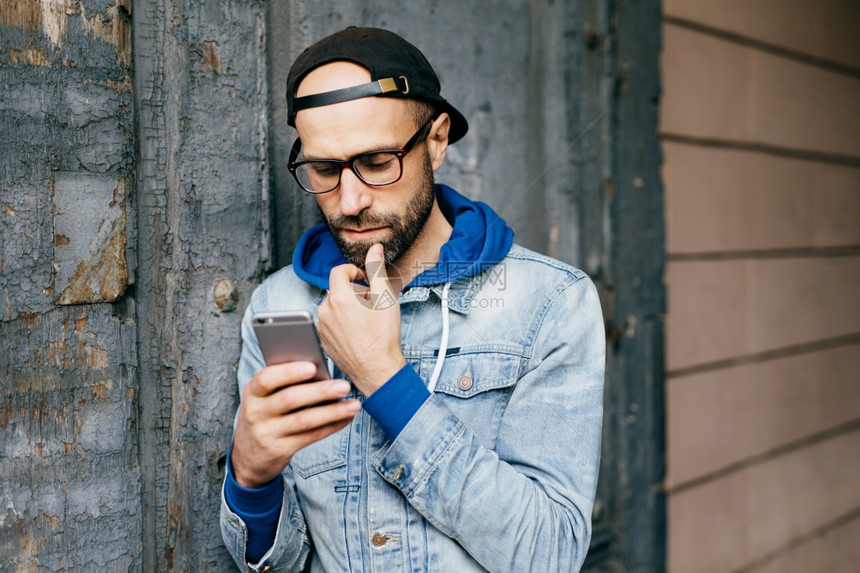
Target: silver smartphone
[288,336]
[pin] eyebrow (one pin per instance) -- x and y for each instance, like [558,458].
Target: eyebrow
[371,150]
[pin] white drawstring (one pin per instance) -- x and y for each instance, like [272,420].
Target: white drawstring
[443,344]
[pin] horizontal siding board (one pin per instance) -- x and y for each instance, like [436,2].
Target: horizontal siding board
[705,86]
[824,29]
[803,300]
[724,309]
[707,312]
[721,200]
[834,550]
[732,522]
[836,205]
[719,89]
[720,418]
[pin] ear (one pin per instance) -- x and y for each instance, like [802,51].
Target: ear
[437,140]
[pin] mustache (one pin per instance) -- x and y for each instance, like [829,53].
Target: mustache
[360,221]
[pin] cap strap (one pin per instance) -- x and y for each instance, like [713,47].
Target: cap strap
[379,87]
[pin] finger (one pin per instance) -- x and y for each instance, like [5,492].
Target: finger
[311,419]
[309,394]
[273,378]
[374,268]
[342,275]
[304,439]
[261,451]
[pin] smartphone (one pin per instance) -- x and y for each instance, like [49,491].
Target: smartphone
[288,336]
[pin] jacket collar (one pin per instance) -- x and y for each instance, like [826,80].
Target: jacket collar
[460,295]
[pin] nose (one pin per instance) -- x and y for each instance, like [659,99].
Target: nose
[355,194]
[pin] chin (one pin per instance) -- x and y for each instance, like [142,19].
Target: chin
[356,251]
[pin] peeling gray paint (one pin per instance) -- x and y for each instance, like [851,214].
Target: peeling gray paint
[69,478]
[134,223]
[89,238]
[203,211]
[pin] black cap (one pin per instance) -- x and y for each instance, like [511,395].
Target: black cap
[397,69]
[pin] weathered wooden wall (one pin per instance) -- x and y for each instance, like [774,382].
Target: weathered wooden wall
[69,477]
[139,144]
[112,451]
[200,90]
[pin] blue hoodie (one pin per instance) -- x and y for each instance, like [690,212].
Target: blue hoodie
[479,236]
[479,239]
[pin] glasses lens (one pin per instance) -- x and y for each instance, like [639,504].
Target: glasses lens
[378,168]
[318,176]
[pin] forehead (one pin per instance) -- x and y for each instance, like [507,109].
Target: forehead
[344,129]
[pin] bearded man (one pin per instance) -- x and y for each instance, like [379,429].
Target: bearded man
[461,428]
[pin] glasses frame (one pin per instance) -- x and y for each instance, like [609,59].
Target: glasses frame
[413,142]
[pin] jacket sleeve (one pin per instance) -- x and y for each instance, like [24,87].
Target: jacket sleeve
[291,546]
[526,504]
[291,542]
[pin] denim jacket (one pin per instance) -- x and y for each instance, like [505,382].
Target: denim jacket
[497,469]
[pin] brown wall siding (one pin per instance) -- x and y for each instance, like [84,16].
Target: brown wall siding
[759,122]
[720,200]
[825,29]
[750,515]
[741,93]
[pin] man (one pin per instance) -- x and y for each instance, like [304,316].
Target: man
[461,431]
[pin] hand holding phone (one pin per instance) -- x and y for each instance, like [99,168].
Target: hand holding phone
[284,406]
[281,412]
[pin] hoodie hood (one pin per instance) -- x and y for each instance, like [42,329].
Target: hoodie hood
[479,240]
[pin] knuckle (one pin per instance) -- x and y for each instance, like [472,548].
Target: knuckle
[261,382]
[302,422]
[287,401]
[332,302]
[266,387]
[251,389]
[251,414]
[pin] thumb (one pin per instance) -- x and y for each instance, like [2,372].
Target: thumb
[374,269]
[382,296]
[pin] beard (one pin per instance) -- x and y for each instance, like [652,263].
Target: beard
[405,227]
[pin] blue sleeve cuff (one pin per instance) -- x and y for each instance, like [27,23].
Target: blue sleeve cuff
[396,401]
[259,508]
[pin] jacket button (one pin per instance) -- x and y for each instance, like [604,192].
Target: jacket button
[465,382]
[378,539]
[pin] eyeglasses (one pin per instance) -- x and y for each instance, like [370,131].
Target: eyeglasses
[376,168]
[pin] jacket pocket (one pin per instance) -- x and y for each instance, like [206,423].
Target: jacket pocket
[322,456]
[476,386]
